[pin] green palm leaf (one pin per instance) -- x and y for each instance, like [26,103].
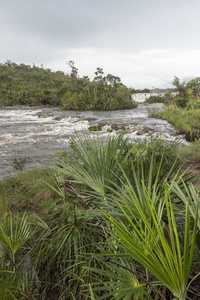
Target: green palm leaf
[94,161]
[15,232]
[146,242]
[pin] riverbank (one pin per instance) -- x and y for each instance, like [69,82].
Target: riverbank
[186,121]
[26,191]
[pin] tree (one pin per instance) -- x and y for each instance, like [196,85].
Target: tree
[194,84]
[74,70]
[182,97]
[99,75]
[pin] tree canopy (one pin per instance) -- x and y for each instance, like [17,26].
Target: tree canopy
[30,85]
[188,92]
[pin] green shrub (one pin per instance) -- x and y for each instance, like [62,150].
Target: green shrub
[95,128]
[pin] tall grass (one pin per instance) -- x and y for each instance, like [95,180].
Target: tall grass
[183,119]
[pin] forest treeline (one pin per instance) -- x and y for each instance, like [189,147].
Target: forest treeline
[22,84]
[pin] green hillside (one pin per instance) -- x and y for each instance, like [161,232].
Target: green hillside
[31,85]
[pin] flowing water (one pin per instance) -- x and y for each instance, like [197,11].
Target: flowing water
[37,133]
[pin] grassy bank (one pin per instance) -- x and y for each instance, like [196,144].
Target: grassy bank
[185,121]
[191,153]
[110,220]
[26,191]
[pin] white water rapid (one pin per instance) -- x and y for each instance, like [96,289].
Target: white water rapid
[38,133]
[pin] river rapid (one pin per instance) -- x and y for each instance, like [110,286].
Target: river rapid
[37,133]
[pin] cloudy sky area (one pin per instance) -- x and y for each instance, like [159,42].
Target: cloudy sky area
[144,42]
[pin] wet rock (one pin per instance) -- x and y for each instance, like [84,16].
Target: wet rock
[89,119]
[58,118]
[143,130]
[46,115]
[102,124]
[131,129]
[161,135]
[116,126]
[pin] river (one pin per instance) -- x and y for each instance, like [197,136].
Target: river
[37,133]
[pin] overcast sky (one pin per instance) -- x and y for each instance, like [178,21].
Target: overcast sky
[144,42]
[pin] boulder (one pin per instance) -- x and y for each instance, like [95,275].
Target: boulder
[116,126]
[58,118]
[143,130]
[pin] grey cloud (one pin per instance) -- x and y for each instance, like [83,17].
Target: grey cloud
[113,33]
[103,23]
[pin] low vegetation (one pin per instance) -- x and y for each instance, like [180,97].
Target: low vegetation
[185,121]
[191,152]
[31,85]
[109,220]
[183,110]
[26,191]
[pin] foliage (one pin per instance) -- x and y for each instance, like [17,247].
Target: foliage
[120,278]
[13,234]
[114,220]
[155,99]
[58,255]
[185,121]
[183,94]
[95,128]
[144,238]
[25,192]
[142,153]
[94,161]
[191,152]
[31,85]
[191,195]
[188,93]
[145,90]
[160,99]
[19,163]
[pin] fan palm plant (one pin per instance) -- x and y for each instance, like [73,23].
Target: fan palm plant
[189,193]
[14,232]
[134,205]
[146,241]
[94,161]
[117,278]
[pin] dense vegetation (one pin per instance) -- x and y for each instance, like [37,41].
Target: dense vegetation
[31,85]
[184,109]
[112,220]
